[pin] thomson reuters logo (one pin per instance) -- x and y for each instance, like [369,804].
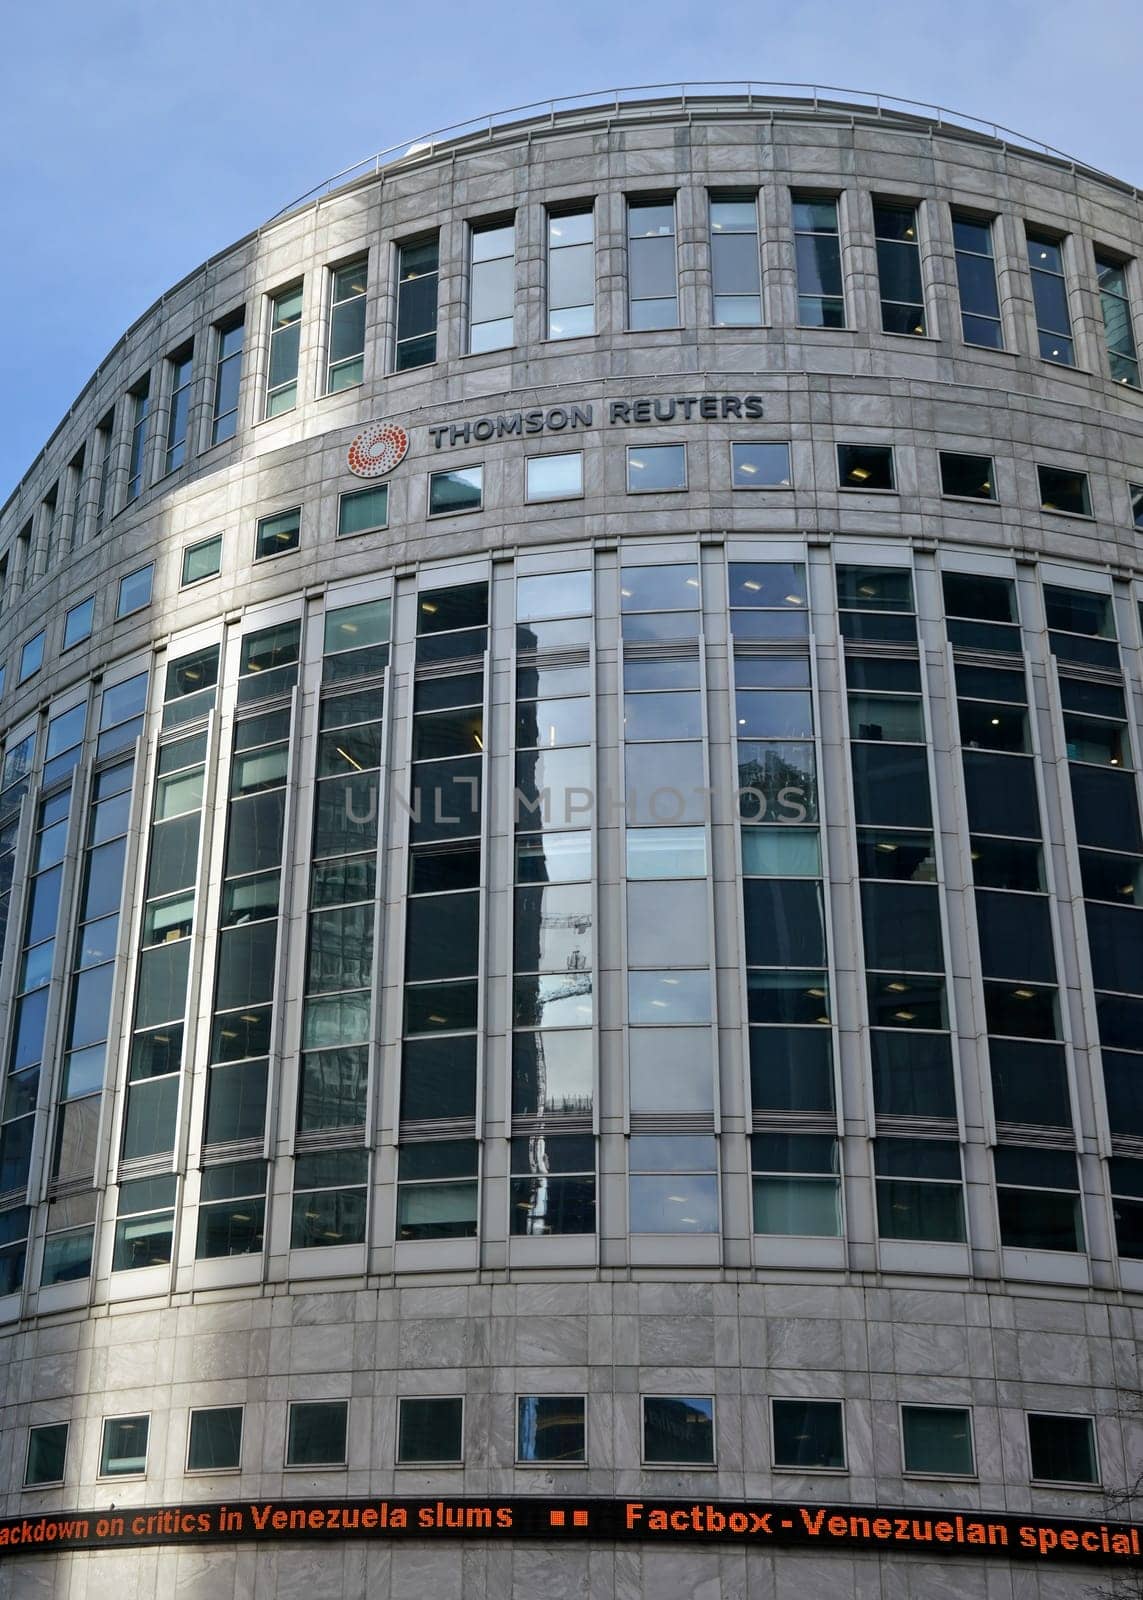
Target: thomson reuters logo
[377,450]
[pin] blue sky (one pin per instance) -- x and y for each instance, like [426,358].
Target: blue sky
[138,136]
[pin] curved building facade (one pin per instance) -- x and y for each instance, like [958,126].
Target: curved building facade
[570,848]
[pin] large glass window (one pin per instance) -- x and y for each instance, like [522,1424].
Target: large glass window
[808,1435]
[656,468]
[418,267]
[899,268]
[202,560]
[817,249]
[865,466]
[551,1430]
[976,280]
[214,1441]
[180,370]
[571,274]
[673,1184]
[1050,298]
[455,490]
[1062,1448]
[47,1452]
[285,348]
[652,283]
[678,1430]
[329,1199]
[123,1452]
[554,477]
[146,1222]
[492,287]
[437,1190]
[317,1432]
[1037,1192]
[1116,308]
[230,338]
[430,1430]
[735,262]
[345,364]
[937,1441]
[278,534]
[754,465]
[140,425]
[919,1189]
[135,591]
[797,1184]
[1061,489]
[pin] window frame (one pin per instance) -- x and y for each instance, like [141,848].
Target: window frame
[851,444]
[199,544]
[553,214]
[433,236]
[89,600]
[659,444]
[333,269]
[422,1463]
[351,494]
[969,455]
[1056,511]
[1093,1434]
[925,1472]
[318,1466]
[273,516]
[523,1462]
[120,614]
[463,511]
[195,1411]
[500,224]
[296,286]
[798,1467]
[103,1474]
[724,196]
[631,202]
[45,1483]
[224,326]
[761,488]
[553,455]
[676,1466]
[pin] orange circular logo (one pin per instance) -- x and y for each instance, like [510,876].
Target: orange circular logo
[377,450]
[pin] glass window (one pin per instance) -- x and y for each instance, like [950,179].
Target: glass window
[817,250]
[808,1435]
[492,287]
[553,1183]
[1136,492]
[47,1451]
[1037,1193]
[316,1435]
[899,268]
[418,266]
[77,622]
[232,1197]
[735,263]
[656,468]
[1062,1448]
[329,1198]
[967,477]
[31,657]
[1050,298]
[214,1442]
[937,1440]
[557,477]
[140,419]
[760,466]
[277,534]
[124,1448]
[678,1430]
[673,996]
[551,1429]
[363,511]
[145,1228]
[346,362]
[429,1430]
[1116,308]
[285,345]
[673,1184]
[1064,490]
[797,1188]
[202,560]
[461,489]
[976,280]
[557,594]
[865,466]
[135,591]
[919,1189]
[571,274]
[666,853]
[227,377]
[437,1190]
[180,370]
[652,285]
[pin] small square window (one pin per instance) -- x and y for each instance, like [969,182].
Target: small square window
[124,1451]
[364,511]
[1136,503]
[202,560]
[967,477]
[214,1443]
[279,534]
[78,622]
[760,466]
[865,466]
[808,1434]
[317,1433]
[555,477]
[656,468]
[1062,1449]
[1062,490]
[937,1440]
[47,1449]
[551,1429]
[678,1430]
[430,1430]
[32,657]
[462,489]
[135,591]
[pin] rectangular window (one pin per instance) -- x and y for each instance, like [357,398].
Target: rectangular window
[104,445]
[135,591]
[554,477]
[553,1179]
[363,511]
[937,1440]
[1064,490]
[180,374]
[430,1430]
[77,623]
[124,1449]
[571,274]
[817,251]
[140,413]
[214,1441]
[436,1194]
[967,477]
[231,1209]
[279,534]
[919,1189]
[346,358]
[976,280]
[316,1433]
[47,1451]
[797,1187]
[1038,1199]
[1116,307]
[652,281]
[492,288]
[1062,1448]
[452,492]
[808,1435]
[899,269]
[551,1430]
[678,1430]
[656,468]
[865,466]
[329,1198]
[31,657]
[202,560]
[760,466]
[231,337]
[418,269]
[145,1228]
[1136,492]
[735,263]
[285,348]
[1050,298]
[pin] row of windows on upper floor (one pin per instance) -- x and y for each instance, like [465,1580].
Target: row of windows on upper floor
[551,1430]
[651,469]
[820,240]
